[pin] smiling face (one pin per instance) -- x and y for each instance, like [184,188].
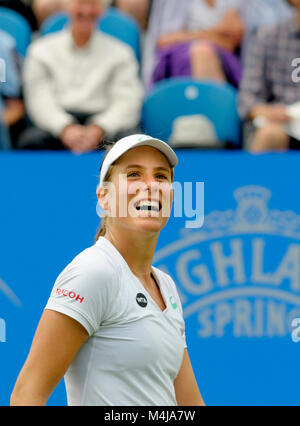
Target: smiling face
[85,14]
[140,193]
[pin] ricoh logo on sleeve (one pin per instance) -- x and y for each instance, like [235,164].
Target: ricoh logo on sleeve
[69,294]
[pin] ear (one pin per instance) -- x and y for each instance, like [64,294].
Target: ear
[102,196]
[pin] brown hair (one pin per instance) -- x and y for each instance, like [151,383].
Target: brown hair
[102,227]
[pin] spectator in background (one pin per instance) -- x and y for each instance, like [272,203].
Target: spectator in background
[80,85]
[44,8]
[268,88]
[12,106]
[262,14]
[139,9]
[195,37]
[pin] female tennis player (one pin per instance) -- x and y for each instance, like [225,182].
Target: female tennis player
[113,324]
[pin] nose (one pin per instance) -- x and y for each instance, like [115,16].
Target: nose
[87,9]
[150,180]
[151,185]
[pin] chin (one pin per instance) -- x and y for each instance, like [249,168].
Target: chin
[150,224]
[142,224]
[86,29]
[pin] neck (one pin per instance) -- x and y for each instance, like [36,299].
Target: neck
[136,249]
[80,38]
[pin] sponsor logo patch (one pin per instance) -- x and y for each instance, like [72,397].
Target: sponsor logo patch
[141,300]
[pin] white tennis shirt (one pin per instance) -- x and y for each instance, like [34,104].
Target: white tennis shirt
[135,350]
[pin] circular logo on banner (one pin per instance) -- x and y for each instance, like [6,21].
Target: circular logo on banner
[141,300]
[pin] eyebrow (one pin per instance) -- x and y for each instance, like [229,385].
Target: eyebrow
[137,166]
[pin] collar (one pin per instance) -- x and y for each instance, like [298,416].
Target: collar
[112,251]
[71,43]
[117,257]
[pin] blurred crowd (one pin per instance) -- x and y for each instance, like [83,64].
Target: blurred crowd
[77,87]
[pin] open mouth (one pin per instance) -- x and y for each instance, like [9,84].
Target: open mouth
[146,205]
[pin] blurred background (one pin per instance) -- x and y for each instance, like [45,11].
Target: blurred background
[219,80]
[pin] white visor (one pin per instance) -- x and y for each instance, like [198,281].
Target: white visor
[133,141]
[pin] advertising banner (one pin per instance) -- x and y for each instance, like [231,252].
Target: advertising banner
[237,272]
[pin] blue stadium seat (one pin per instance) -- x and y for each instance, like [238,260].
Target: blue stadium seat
[114,23]
[17,26]
[54,23]
[178,97]
[122,26]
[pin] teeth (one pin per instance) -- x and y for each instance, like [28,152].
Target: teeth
[148,205]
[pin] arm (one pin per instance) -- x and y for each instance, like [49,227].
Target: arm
[228,33]
[186,388]
[79,139]
[272,112]
[40,99]
[14,111]
[255,88]
[231,28]
[125,95]
[56,342]
[66,325]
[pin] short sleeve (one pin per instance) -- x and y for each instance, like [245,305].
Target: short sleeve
[84,290]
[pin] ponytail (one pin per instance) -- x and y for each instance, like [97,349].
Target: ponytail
[102,230]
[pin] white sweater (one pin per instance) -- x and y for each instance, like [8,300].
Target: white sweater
[101,78]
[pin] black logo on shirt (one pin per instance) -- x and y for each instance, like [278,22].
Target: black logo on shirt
[141,300]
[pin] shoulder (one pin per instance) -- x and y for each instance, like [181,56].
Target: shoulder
[90,272]
[45,44]
[94,259]
[115,45]
[86,289]
[275,31]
